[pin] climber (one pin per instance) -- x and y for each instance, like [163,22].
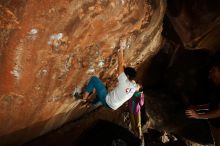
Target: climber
[121,93]
[213,115]
[134,104]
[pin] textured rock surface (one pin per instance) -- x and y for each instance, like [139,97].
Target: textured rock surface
[49,48]
[196,22]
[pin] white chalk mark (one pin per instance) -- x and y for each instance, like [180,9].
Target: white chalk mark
[101,63]
[91,70]
[32,34]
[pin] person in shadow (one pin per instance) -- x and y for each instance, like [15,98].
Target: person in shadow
[211,110]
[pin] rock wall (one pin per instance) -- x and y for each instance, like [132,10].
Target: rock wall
[50,48]
[196,22]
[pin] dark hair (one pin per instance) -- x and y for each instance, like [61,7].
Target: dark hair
[217,65]
[216,60]
[130,73]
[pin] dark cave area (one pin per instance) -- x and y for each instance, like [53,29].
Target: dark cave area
[172,44]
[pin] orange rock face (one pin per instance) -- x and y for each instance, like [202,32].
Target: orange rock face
[50,48]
